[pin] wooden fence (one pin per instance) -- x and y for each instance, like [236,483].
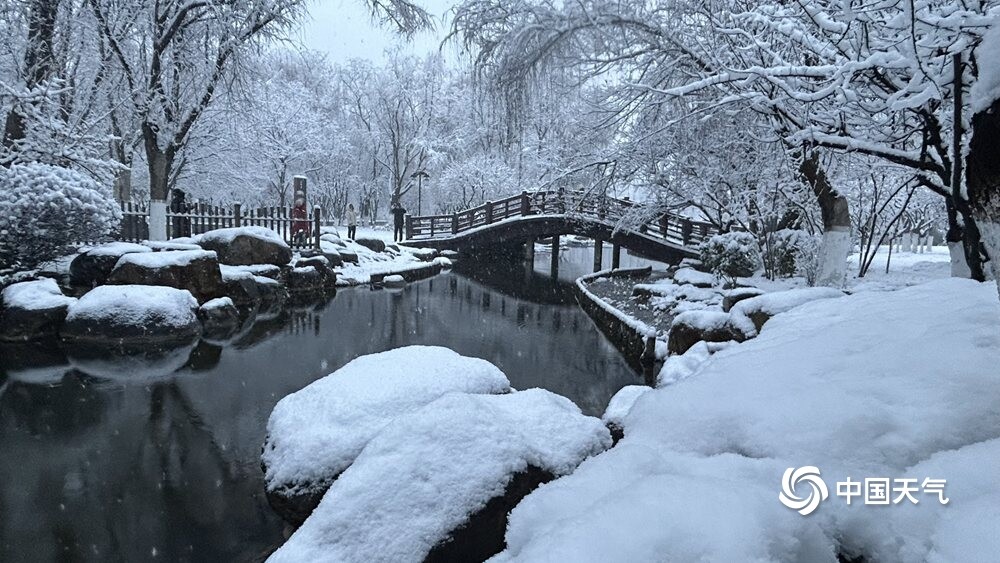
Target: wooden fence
[198,218]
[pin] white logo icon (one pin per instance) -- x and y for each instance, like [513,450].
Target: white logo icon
[817,493]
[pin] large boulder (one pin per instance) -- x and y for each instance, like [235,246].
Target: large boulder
[241,246]
[373,244]
[691,327]
[194,270]
[31,310]
[734,296]
[305,279]
[321,265]
[314,434]
[437,484]
[332,252]
[133,313]
[751,314]
[92,268]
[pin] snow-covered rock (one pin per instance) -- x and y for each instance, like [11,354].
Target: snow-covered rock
[32,309]
[322,265]
[305,279]
[124,313]
[219,318]
[161,245]
[693,277]
[751,314]
[314,434]
[394,281]
[438,481]
[92,267]
[425,254]
[331,252]
[679,367]
[194,270]
[445,263]
[619,406]
[896,385]
[691,327]
[734,296]
[373,244]
[239,246]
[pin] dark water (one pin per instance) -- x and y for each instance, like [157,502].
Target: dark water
[136,459]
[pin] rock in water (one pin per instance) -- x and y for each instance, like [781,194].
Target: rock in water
[194,270]
[437,483]
[314,434]
[394,281]
[133,313]
[31,310]
[219,318]
[93,267]
[243,246]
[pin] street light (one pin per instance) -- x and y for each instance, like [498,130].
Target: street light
[419,175]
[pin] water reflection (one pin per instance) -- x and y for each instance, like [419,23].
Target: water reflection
[156,455]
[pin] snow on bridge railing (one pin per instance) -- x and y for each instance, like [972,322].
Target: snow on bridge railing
[671,227]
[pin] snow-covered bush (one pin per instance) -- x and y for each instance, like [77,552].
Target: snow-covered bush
[731,255]
[44,208]
[790,252]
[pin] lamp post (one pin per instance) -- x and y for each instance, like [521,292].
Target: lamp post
[420,175]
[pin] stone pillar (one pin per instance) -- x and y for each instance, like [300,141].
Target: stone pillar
[616,256]
[598,254]
[529,251]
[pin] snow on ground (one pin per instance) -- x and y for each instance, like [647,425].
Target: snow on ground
[35,295]
[135,305]
[429,470]
[371,262]
[315,433]
[621,403]
[881,385]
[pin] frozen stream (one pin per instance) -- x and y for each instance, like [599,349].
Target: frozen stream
[151,464]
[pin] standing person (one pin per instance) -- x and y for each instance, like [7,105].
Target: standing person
[397,220]
[352,222]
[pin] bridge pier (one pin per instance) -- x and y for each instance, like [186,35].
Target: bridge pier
[555,255]
[616,256]
[598,254]
[529,251]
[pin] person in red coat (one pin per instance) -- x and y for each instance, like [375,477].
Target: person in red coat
[300,222]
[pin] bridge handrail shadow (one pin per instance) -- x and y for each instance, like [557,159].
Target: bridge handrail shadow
[670,227]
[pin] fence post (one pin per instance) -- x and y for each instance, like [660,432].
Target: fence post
[237,218]
[489,212]
[454,223]
[408,225]
[686,229]
[525,203]
[317,212]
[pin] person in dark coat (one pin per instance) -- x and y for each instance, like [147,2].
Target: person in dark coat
[398,213]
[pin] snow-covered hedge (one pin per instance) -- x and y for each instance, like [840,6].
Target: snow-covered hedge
[731,255]
[44,208]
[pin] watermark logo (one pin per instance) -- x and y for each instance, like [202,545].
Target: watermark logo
[817,489]
[874,490]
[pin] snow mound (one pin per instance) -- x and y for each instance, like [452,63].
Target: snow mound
[37,295]
[315,433]
[693,277]
[863,386]
[702,320]
[986,89]
[621,403]
[427,472]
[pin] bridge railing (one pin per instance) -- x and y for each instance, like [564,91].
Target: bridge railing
[670,226]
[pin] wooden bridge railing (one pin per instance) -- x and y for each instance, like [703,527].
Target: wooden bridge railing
[671,227]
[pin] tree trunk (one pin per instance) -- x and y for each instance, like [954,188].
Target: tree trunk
[983,179]
[836,215]
[39,63]
[159,163]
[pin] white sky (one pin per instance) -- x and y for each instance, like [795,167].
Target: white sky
[344,30]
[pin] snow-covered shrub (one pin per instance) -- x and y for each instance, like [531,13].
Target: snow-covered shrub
[44,208]
[788,252]
[731,255]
